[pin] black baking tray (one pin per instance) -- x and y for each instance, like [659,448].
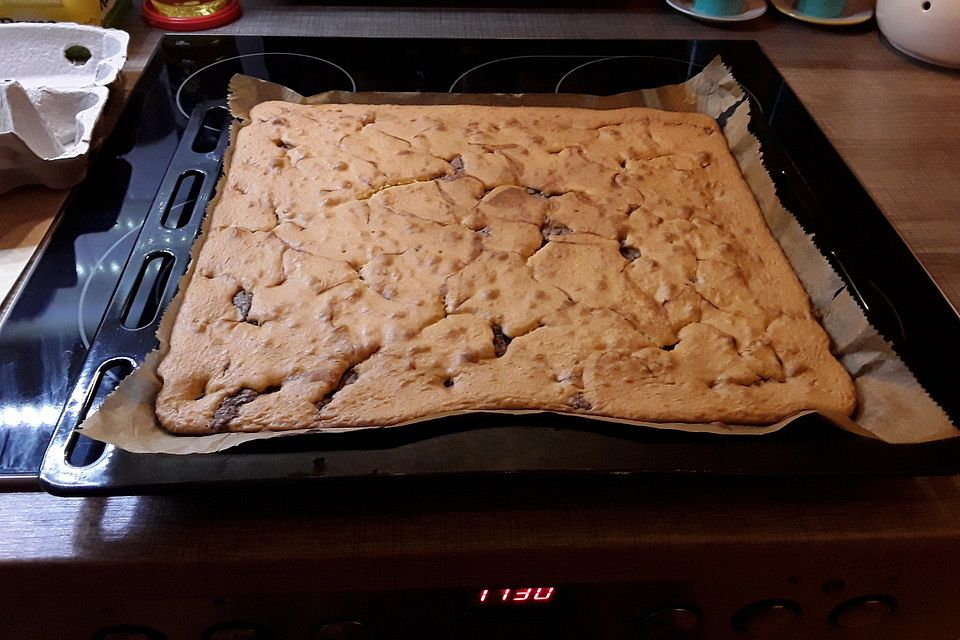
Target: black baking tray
[812,181]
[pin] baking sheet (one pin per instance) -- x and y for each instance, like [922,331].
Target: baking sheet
[892,406]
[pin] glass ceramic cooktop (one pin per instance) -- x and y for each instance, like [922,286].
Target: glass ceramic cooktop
[49,327]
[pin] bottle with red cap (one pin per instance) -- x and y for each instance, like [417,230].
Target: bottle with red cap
[190,15]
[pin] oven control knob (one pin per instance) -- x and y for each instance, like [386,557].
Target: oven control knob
[673,623]
[129,633]
[862,612]
[235,632]
[767,619]
[344,631]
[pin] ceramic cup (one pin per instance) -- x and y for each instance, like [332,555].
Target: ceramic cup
[718,7]
[821,8]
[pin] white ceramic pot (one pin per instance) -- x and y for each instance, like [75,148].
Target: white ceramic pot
[925,29]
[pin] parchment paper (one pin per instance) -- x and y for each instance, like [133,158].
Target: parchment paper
[892,406]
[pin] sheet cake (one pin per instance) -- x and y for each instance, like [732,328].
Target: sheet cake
[373,265]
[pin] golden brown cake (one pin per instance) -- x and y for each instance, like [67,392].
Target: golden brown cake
[371,265]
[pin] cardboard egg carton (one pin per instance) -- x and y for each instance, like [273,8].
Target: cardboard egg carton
[53,86]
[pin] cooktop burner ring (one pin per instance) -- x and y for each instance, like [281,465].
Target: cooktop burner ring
[691,65]
[592,59]
[97,267]
[81,303]
[693,68]
[178,98]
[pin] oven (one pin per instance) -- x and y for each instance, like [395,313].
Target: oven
[444,530]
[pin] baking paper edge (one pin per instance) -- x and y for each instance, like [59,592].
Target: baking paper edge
[126,418]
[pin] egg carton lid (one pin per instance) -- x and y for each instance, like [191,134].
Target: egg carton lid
[61,55]
[53,89]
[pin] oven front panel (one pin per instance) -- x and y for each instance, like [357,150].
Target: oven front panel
[796,592]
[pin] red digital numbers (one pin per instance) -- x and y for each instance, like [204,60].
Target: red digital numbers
[521,595]
[516,596]
[543,594]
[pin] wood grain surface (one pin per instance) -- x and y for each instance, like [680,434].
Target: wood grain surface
[897,125]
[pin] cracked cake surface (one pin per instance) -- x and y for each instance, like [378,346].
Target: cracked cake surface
[371,265]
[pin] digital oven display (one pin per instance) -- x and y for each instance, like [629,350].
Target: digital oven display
[522,596]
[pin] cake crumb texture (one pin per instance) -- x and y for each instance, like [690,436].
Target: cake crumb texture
[371,265]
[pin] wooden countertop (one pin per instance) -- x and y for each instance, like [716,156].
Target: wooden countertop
[895,122]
